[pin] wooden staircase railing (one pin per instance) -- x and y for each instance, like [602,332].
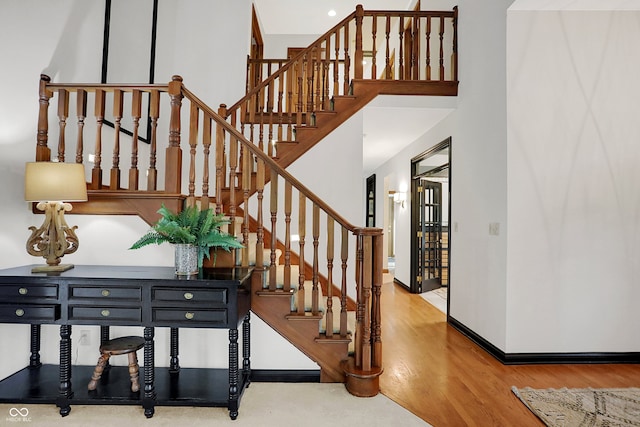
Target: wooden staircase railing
[225,170]
[235,160]
[368,53]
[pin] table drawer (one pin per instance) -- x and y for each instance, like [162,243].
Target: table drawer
[186,317]
[105,292]
[133,314]
[29,291]
[195,295]
[29,313]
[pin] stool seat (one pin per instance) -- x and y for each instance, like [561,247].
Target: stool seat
[117,346]
[122,345]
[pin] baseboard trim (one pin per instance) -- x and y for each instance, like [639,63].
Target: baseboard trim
[285,375]
[544,358]
[398,282]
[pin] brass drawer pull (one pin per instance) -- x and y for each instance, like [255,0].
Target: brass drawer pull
[105,293]
[23,291]
[189,315]
[188,295]
[19,312]
[105,313]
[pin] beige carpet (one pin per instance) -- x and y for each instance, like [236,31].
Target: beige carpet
[263,405]
[564,407]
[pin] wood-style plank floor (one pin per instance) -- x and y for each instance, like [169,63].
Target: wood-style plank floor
[441,376]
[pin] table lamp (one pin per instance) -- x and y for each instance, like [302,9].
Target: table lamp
[52,185]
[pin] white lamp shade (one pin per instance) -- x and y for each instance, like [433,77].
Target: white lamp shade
[51,181]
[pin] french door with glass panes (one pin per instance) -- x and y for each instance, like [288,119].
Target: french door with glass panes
[428,195]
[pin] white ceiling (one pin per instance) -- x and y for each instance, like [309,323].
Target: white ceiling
[390,123]
[310,16]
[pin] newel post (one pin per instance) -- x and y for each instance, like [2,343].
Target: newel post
[173,171]
[362,371]
[359,54]
[43,152]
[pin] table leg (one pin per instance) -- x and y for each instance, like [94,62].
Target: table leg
[174,363]
[64,391]
[105,335]
[149,399]
[233,373]
[34,360]
[246,349]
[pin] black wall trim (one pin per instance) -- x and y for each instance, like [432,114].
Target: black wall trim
[152,64]
[285,376]
[398,282]
[544,358]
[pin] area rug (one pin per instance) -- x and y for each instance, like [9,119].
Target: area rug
[583,406]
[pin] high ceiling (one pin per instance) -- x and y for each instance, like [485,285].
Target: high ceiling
[390,123]
[311,16]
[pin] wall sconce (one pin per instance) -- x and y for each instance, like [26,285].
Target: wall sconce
[400,197]
[52,185]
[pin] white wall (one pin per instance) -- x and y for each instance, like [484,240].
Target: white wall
[572,170]
[64,39]
[478,175]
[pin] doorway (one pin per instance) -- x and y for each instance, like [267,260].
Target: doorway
[430,213]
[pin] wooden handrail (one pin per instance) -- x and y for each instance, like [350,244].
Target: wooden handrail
[276,109]
[269,162]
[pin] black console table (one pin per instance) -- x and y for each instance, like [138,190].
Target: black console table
[128,296]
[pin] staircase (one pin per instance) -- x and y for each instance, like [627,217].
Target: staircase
[321,291]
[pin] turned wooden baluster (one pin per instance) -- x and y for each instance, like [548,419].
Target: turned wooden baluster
[63,113]
[359,54]
[43,152]
[442,48]
[388,65]
[260,179]
[343,286]
[220,172]
[96,171]
[330,249]
[247,158]
[336,65]
[415,48]
[154,113]
[400,75]
[374,33]
[233,165]
[302,208]
[136,112]
[326,64]
[273,199]
[428,52]
[287,238]
[114,179]
[347,63]
[454,61]
[281,82]
[357,341]
[205,201]
[289,102]
[173,165]
[194,119]
[81,111]
[301,65]
[316,261]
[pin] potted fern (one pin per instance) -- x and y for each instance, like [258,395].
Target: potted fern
[193,232]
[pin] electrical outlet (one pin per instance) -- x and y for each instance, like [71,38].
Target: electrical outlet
[85,337]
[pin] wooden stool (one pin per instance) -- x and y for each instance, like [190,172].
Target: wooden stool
[114,347]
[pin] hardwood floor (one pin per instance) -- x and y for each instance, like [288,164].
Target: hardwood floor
[441,376]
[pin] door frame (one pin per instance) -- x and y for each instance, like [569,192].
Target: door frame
[414,286]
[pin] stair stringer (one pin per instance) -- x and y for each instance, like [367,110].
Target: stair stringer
[301,332]
[345,106]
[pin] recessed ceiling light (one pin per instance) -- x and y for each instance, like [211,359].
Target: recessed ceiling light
[332,12]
